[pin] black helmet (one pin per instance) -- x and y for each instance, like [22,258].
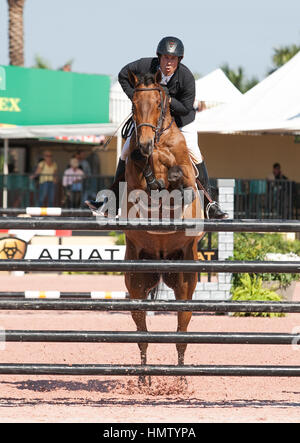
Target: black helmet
[170,45]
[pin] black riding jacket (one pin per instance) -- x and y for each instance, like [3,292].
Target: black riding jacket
[181,87]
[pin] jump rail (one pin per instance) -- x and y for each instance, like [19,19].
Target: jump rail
[248,371]
[152,305]
[46,212]
[148,266]
[64,295]
[104,224]
[137,305]
[152,337]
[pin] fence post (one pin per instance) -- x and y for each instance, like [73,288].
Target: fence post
[220,289]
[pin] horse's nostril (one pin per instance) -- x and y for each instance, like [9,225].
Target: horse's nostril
[146,148]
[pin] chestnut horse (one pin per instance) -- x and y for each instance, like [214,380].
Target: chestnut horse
[159,159]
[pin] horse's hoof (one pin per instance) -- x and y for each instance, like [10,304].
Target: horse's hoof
[144,381]
[183,380]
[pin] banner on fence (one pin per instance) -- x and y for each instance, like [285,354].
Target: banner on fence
[15,248]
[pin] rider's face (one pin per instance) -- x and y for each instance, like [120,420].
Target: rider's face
[168,64]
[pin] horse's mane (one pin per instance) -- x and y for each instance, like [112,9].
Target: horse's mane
[146,79]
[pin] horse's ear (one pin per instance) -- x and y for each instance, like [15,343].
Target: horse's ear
[133,80]
[158,76]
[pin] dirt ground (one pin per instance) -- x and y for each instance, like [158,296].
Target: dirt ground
[44,399]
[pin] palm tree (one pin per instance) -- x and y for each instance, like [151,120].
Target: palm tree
[41,63]
[282,55]
[238,78]
[15,32]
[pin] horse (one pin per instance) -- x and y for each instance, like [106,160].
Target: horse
[159,160]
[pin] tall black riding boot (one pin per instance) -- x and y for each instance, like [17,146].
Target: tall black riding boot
[212,208]
[119,177]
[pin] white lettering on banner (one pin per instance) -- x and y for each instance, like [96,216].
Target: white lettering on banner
[75,252]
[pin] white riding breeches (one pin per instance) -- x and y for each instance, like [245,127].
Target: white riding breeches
[191,137]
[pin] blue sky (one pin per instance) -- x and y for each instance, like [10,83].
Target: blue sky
[102,36]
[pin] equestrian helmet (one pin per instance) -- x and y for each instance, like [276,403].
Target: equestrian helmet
[171,46]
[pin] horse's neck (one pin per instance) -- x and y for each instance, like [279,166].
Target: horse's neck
[167,119]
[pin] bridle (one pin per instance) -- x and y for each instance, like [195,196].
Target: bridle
[152,182]
[158,129]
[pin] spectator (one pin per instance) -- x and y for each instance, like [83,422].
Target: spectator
[85,166]
[277,174]
[46,171]
[72,182]
[83,163]
[94,162]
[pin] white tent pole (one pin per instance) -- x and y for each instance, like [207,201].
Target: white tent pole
[5,172]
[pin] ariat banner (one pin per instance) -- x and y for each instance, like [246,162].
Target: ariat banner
[14,248]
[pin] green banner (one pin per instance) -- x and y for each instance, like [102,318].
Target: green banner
[45,97]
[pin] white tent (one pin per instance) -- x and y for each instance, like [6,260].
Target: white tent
[216,88]
[10,132]
[213,89]
[120,105]
[271,106]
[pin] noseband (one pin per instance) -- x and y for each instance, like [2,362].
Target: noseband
[158,129]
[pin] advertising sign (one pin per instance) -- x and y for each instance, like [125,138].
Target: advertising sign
[45,97]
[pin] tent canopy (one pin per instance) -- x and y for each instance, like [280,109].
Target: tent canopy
[38,131]
[216,87]
[271,106]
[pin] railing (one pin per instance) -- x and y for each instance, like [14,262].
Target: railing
[25,191]
[267,199]
[257,199]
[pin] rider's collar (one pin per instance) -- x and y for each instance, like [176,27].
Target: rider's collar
[165,78]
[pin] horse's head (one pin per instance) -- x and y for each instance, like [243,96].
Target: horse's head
[149,108]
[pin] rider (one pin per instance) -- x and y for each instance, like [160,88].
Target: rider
[179,83]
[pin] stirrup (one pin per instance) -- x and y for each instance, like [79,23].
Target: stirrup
[216,207]
[96,208]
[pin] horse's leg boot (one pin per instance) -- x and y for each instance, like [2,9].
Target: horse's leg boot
[119,177]
[212,208]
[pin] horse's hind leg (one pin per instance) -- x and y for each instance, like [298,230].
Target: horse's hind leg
[183,322]
[185,293]
[183,285]
[138,286]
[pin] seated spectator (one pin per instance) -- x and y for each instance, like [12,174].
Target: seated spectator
[72,183]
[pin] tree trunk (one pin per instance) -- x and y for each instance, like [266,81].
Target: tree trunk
[15,32]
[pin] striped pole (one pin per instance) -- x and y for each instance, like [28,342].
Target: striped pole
[65,295]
